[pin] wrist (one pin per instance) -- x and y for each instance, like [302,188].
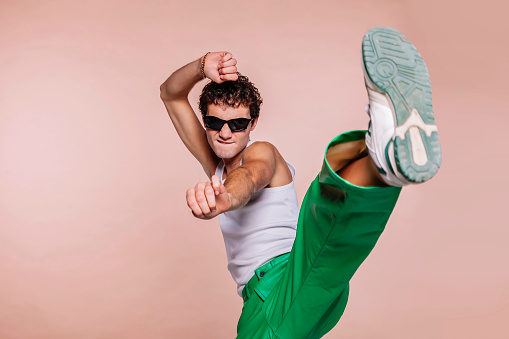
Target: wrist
[232,203]
[202,64]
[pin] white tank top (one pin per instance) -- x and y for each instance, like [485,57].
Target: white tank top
[261,230]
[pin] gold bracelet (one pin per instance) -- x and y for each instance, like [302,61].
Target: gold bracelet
[203,65]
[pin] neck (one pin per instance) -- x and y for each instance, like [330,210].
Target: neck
[231,164]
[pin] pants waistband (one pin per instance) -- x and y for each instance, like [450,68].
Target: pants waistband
[258,283]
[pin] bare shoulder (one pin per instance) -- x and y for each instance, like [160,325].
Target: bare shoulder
[267,152]
[260,150]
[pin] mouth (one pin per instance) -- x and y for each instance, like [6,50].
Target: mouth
[224,143]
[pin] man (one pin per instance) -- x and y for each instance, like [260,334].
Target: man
[293,269]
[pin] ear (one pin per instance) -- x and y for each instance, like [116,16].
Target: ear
[253,123]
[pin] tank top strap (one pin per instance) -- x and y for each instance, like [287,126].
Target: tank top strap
[220,170]
[248,144]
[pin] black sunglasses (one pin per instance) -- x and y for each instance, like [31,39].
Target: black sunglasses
[236,125]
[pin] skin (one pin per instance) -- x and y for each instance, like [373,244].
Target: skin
[262,164]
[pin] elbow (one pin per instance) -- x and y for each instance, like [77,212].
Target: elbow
[168,92]
[252,183]
[163,92]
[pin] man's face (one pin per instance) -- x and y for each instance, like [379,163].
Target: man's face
[225,143]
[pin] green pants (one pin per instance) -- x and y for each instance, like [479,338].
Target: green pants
[304,293]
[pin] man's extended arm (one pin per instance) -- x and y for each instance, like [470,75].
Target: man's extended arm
[209,199]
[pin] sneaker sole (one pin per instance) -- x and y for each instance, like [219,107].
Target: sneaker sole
[397,69]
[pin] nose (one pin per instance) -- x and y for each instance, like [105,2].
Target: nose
[225,132]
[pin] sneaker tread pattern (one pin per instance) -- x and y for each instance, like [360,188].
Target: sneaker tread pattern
[397,69]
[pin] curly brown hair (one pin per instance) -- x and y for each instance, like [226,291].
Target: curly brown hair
[241,92]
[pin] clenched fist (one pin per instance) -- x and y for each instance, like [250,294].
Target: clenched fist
[220,67]
[208,199]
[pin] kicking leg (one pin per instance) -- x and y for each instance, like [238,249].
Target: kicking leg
[348,205]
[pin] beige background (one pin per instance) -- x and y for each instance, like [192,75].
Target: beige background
[95,237]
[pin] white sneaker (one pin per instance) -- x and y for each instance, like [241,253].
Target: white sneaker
[402,135]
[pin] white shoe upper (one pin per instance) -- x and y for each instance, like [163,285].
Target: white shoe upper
[379,139]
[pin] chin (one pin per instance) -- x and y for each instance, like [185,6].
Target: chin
[226,152]
[223,154]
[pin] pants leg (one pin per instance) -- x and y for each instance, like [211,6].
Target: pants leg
[339,224]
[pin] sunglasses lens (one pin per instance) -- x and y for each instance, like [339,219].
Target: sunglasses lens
[213,123]
[238,124]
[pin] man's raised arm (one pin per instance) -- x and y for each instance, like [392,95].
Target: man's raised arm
[218,67]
